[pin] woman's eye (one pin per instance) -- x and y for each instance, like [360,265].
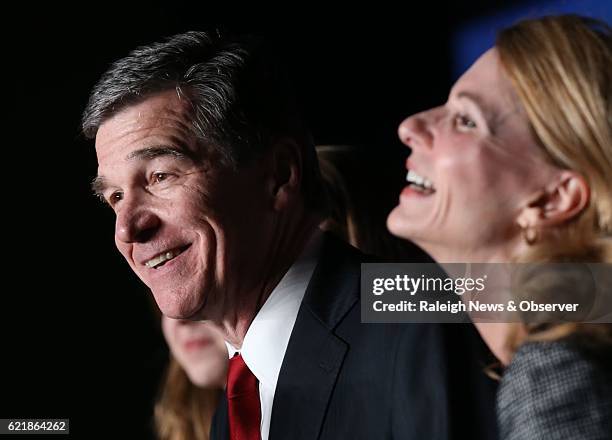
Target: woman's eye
[464,122]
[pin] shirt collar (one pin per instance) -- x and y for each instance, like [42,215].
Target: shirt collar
[266,340]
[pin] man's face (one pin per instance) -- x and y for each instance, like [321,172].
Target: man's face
[187,225]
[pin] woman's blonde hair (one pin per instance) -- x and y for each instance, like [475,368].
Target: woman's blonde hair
[561,68]
[184,411]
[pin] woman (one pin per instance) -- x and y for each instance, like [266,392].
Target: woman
[516,166]
[194,380]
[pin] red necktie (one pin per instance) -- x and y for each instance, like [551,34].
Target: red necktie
[243,401]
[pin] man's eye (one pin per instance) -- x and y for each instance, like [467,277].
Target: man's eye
[115,197]
[464,122]
[159,177]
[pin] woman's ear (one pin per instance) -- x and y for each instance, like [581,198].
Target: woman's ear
[560,202]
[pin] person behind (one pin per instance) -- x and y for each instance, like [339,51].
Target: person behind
[213,178]
[194,380]
[516,166]
[359,190]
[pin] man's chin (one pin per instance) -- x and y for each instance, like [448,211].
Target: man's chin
[178,309]
[183,315]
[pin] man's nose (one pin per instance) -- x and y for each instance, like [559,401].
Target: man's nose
[136,222]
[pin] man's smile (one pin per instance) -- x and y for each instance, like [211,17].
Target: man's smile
[161,258]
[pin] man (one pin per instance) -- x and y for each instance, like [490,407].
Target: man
[214,182]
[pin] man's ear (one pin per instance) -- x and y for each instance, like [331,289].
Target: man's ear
[560,202]
[285,171]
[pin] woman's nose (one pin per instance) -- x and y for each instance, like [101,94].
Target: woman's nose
[416,132]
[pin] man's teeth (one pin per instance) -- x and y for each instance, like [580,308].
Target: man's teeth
[162,258]
[419,182]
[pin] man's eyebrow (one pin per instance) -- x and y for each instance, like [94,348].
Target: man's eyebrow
[160,151]
[99,185]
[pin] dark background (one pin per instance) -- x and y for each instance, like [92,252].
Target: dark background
[78,336]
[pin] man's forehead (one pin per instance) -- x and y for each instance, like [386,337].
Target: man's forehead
[164,115]
[156,109]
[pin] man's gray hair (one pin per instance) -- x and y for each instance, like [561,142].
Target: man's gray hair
[241,98]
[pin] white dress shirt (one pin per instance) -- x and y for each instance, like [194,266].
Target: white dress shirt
[266,340]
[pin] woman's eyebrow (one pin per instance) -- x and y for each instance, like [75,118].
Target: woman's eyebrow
[476,100]
[490,114]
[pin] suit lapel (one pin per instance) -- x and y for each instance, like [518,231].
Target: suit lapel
[315,354]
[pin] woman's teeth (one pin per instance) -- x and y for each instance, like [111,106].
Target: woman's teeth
[420,183]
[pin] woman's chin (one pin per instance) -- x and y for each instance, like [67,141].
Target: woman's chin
[398,225]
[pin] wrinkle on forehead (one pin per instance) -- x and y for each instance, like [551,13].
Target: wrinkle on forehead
[164,116]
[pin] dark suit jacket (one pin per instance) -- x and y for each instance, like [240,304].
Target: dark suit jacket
[341,379]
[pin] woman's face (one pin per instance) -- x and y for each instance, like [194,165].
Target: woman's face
[199,348]
[478,166]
